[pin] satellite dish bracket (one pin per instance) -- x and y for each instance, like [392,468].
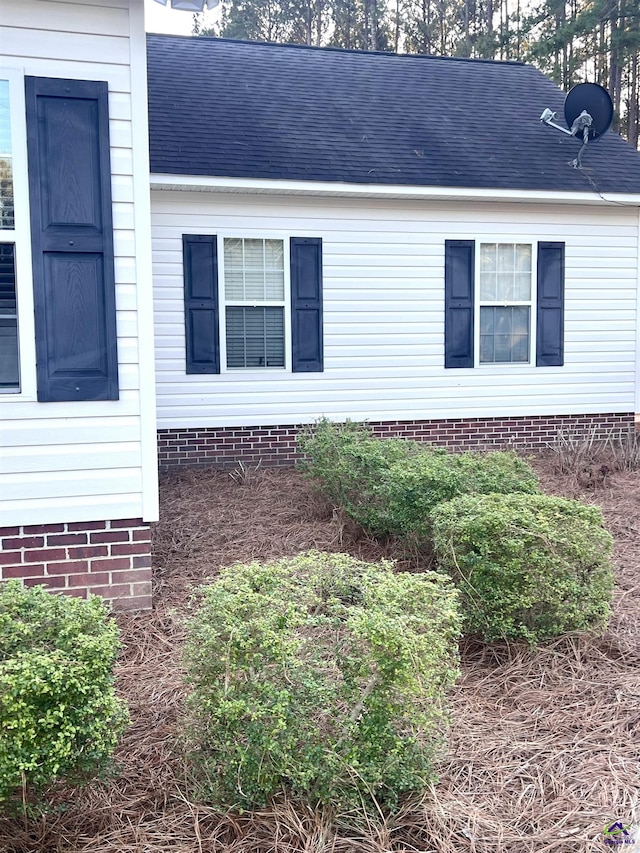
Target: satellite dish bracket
[581,124]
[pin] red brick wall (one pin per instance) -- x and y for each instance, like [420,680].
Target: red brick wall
[276,445]
[107,558]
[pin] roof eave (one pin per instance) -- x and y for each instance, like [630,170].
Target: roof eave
[200,183]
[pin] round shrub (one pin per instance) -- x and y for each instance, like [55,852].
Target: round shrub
[413,487]
[349,462]
[320,675]
[59,716]
[527,567]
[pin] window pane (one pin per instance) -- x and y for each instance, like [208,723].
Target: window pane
[233,253]
[6,167]
[520,321]
[9,372]
[503,321]
[8,353]
[487,286]
[522,288]
[254,254]
[520,348]
[504,334]
[254,284]
[505,287]
[274,285]
[523,257]
[274,254]
[488,258]
[234,284]
[255,337]
[502,344]
[506,257]
[486,349]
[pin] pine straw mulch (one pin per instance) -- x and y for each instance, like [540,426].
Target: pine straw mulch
[545,747]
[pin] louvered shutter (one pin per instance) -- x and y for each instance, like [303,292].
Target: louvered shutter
[550,305]
[306,305]
[200,258]
[458,303]
[72,239]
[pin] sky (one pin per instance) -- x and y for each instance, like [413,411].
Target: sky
[164,19]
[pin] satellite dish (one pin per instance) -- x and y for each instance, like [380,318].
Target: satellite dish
[588,111]
[594,100]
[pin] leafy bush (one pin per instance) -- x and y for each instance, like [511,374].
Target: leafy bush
[59,716]
[349,462]
[412,488]
[527,566]
[320,675]
[390,486]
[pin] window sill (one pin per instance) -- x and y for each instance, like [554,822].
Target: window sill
[16,396]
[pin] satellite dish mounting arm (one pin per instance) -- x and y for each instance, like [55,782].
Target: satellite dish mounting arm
[580,125]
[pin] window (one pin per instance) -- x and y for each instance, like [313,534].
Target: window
[505,305]
[254,297]
[252,303]
[9,370]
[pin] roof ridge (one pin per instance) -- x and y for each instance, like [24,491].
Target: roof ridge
[340,50]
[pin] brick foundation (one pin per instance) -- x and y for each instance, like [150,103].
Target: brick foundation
[107,558]
[276,445]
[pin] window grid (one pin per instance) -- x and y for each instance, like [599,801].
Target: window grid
[505,319]
[264,318]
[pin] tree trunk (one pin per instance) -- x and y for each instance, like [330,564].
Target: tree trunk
[633,119]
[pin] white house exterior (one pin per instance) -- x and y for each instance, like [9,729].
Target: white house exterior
[285,234]
[78,481]
[413,179]
[383,274]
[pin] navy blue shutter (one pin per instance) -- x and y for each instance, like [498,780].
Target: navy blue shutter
[200,258]
[550,310]
[458,302]
[306,305]
[72,239]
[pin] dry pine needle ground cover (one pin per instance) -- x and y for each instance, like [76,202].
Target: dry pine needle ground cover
[545,748]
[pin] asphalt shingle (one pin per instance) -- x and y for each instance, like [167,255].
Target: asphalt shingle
[252,110]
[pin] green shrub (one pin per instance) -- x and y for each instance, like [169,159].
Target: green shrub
[413,487]
[349,463]
[390,486]
[322,676]
[59,716]
[527,566]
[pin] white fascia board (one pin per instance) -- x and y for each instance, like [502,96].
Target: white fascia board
[199,183]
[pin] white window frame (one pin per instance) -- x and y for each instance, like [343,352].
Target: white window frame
[222,302]
[20,236]
[532,304]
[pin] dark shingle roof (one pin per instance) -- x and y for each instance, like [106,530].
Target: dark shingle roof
[251,110]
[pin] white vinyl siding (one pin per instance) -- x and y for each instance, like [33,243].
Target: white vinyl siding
[83,461]
[383,289]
